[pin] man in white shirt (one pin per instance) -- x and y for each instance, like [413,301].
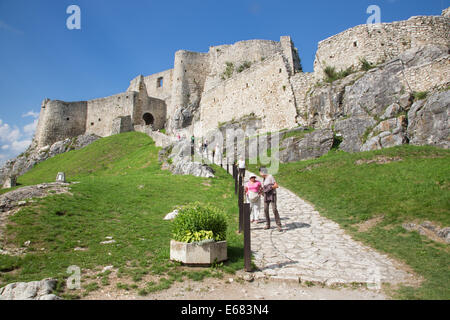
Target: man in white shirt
[241,166]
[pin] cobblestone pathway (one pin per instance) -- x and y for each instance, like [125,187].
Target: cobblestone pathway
[313,248]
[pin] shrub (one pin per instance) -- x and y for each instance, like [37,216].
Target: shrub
[332,75]
[365,65]
[343,73]
[198,222]
[229,70]
[244,66]
[420,95]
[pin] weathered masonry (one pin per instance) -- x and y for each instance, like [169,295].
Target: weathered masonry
[261,79]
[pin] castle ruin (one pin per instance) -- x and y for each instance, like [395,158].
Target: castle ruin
[258,78]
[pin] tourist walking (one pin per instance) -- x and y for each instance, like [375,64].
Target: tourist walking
[270,187]
[241,166]
[253,190]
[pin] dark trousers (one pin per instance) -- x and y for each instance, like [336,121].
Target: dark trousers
[242,173]
[274,209]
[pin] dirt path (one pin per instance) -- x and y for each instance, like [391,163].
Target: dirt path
[237,289]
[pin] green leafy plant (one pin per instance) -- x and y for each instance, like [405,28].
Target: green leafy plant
[198,236]
[229,70]
[332,75]
[244,66]
[365,65]
[420,95]
[198,222]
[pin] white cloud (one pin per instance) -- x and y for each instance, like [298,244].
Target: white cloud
[8,134]
[13,140]
[7,27]
[31,114]
[30,128]
[20,146]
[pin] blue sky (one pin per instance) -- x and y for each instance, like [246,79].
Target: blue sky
[118,40]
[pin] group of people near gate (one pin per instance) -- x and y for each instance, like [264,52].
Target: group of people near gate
[256,191]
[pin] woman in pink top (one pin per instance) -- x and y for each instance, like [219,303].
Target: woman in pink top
[253,189]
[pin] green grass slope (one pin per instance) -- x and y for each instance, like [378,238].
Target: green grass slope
[122,193]
[415,189]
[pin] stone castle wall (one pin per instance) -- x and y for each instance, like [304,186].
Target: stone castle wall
[379,43]
[59,120]
[253,51]
[446,13]
[262,91]
[427,76]
[189,76]
[154,89]
[301,85]
[102,112]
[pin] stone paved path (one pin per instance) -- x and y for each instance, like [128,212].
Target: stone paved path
[315,249]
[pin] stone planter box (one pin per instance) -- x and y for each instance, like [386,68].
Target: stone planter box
[198,254]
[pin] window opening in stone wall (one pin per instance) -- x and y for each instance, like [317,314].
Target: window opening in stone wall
[67,119]
[92,123]
[160,82]
[149,119]
[355,44]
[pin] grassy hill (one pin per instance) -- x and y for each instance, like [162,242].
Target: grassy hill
[123,194]
[405,184]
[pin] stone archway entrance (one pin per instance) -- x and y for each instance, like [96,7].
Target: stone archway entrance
[148,118]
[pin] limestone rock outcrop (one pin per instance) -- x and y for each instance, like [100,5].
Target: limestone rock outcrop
[429,121]
[312,145]
[14,198]
[36,290]
[177,159]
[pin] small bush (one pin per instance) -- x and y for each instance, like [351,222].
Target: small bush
[337,140]
[365,65]
[344,73]
[229,70]
[244,66]
[420,95]
[332,75]
[198,222]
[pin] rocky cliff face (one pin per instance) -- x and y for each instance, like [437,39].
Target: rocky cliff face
[428,122]
[373,110]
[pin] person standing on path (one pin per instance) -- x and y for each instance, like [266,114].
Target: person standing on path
[253,189]
[241,166]
[270,187]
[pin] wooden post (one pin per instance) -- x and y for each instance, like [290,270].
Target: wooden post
[235,175]
[241,204]
[247,239]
